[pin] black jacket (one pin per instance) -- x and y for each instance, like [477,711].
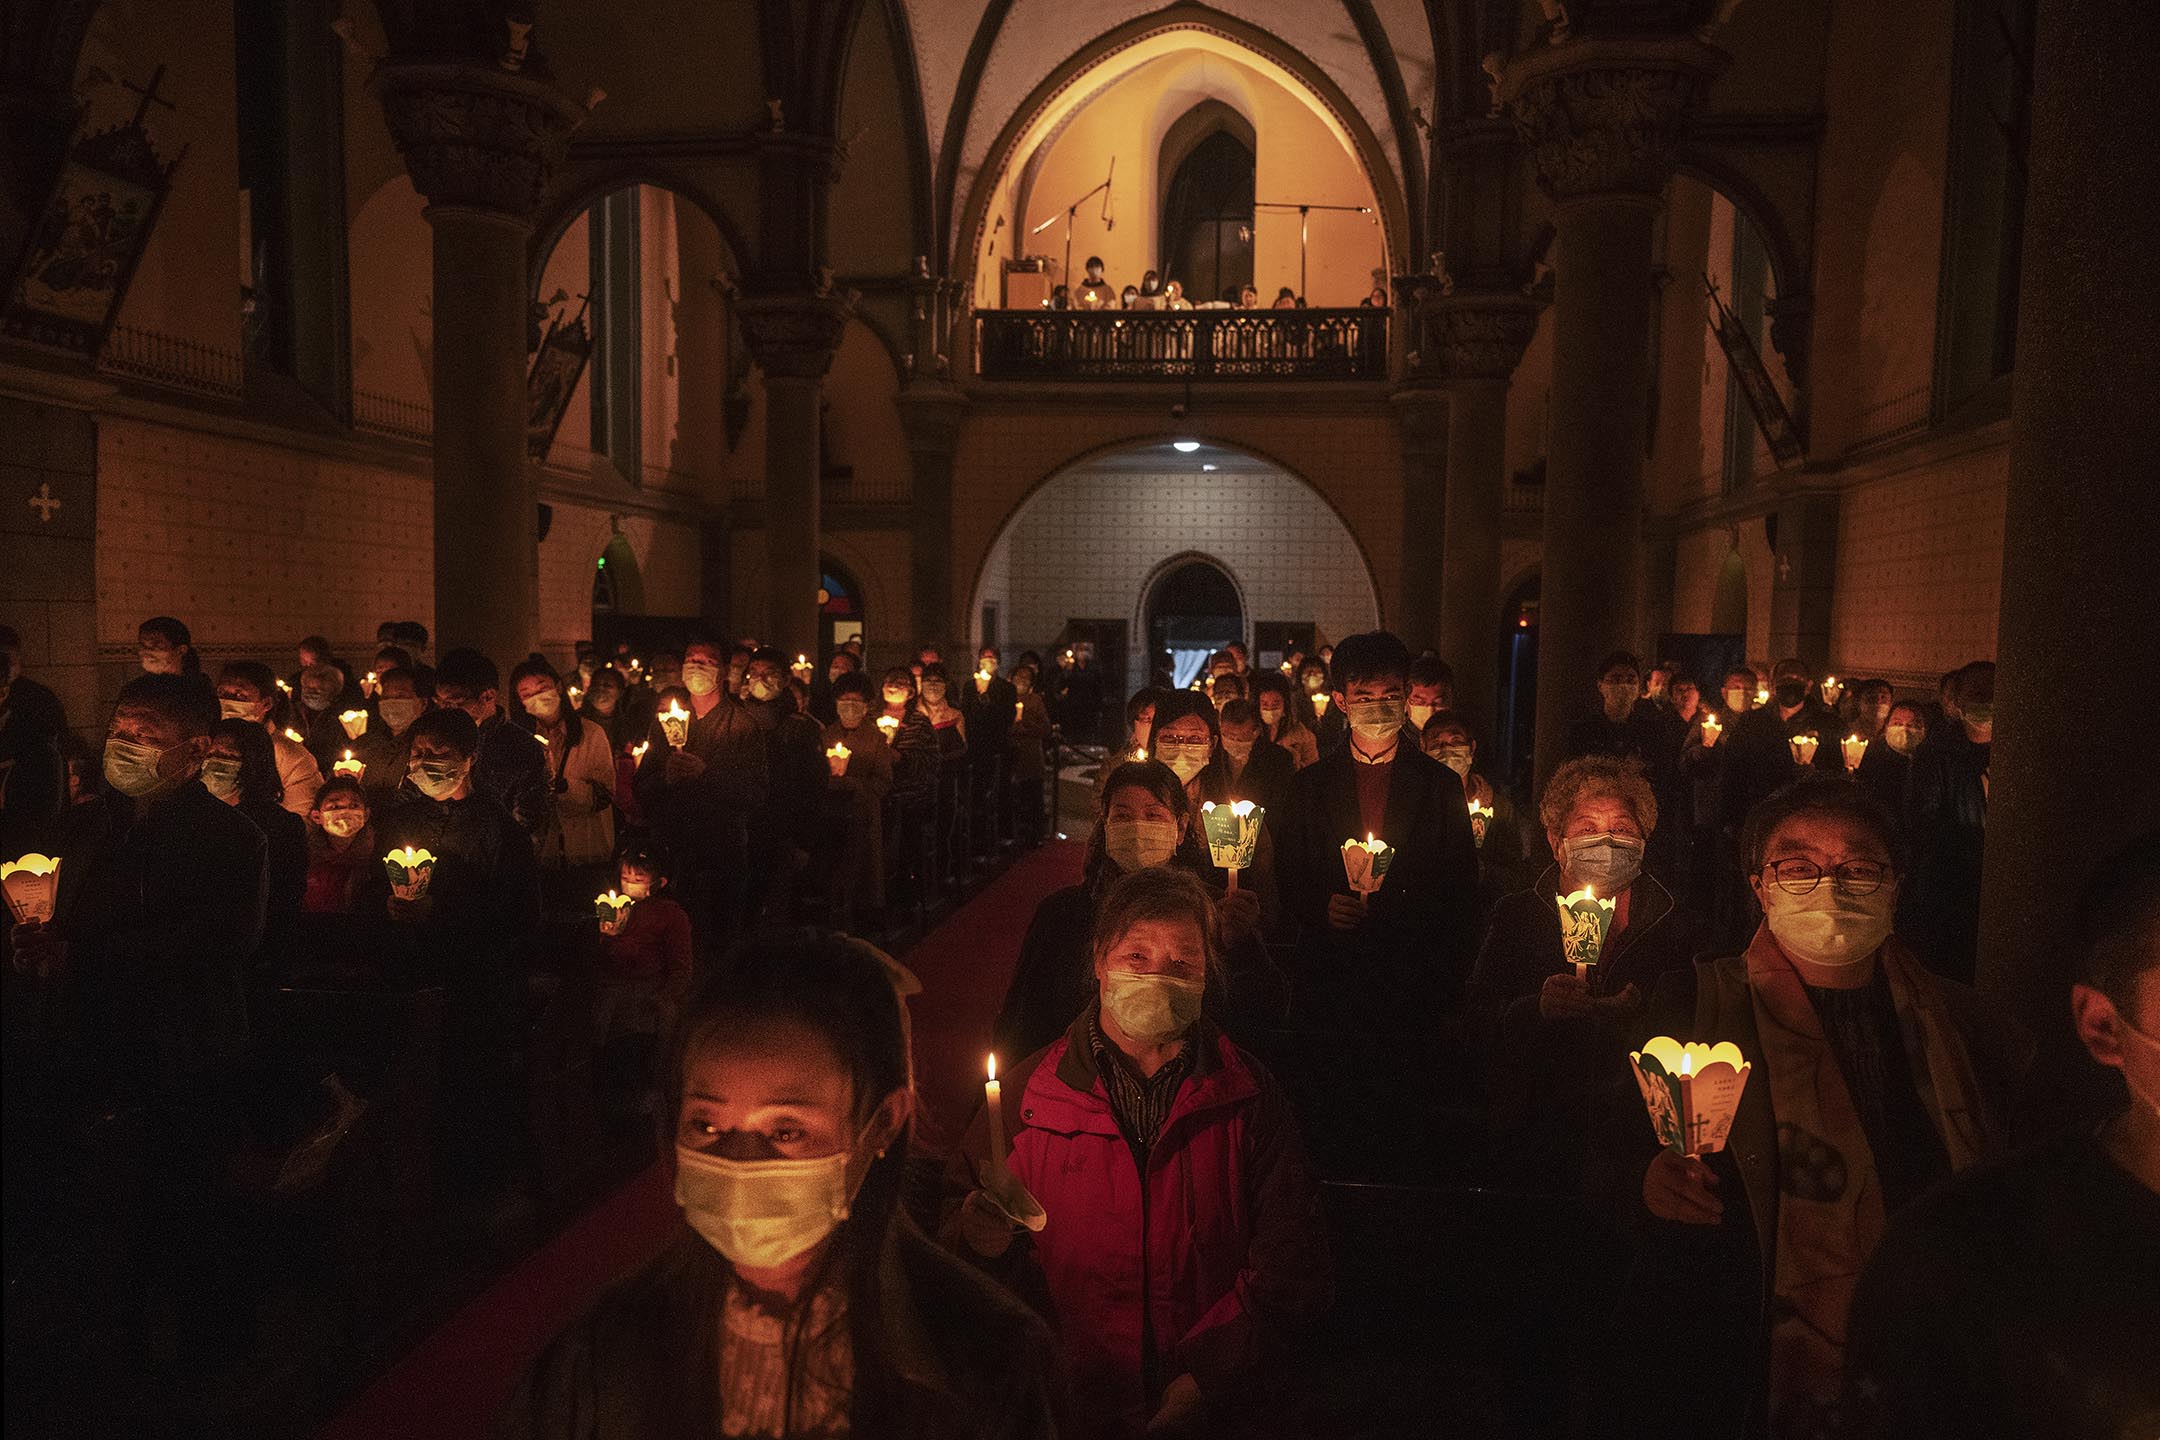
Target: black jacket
[483,898]
[989,715]
[972,1363]
[1760,761]
[511,768]
[1416,940]
[704,821]
[1265,780]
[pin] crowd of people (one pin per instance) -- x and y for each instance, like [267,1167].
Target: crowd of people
[1156,292]
[1372,955]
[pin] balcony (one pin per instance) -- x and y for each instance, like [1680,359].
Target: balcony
[1240,345]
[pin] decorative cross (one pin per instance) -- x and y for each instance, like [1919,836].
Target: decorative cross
[149,94]
[1784,567]
[45,502]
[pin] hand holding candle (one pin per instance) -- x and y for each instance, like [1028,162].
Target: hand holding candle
[1762,696]
[1831,689]
[32,884]
[410,871]
[1320,702]
[1711,729]
[982,681]
[1001,1185]
[1855,749]
[1691,1091]
[675,725]
[355,723]
[370,683]
[801,668]
[836,759]
[888,725]
[1480,817]
[1233,835]
[637,751]
[1585,920]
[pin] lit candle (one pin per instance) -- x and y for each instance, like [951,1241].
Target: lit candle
[295,736]
[576,695]
[675,724]
[369,684]
[613,910]
[1139,752]
[355,723]
[1320,702]
[1831,689]
[284,687]
[994,1099]
[1691,1091]
[1855,749]
[410,870]
[1233,834]
[801,668]
[349,766]
[889,724]
[1762,696]
[32,883]
[1366,862]
[1804,747]
[837,758]
[1019,709]
[1480,817]
[982,681]
[637,751]
[1711,729]
[1585,919]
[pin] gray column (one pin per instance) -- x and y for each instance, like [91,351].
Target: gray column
[931,412]
[1421,411]
[480,144]
[2072,773]
[792,337]
[1602,117]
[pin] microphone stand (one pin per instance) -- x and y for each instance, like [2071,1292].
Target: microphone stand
[1071,211]
[1304,225]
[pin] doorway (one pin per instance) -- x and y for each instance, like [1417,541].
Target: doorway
[840,611]
[1192,609]
[1515,743]
[1207,202]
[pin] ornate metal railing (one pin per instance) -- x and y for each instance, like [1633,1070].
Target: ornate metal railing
[1180,344]
[174,363]
[387,415]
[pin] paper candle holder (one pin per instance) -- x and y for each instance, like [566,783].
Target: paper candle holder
[675,725]
[1711,729]
[355,723]
[295,736]
[837,759]
[613,910]
[1855,748]
[370,683]
[1320,702]
[410,870]
[1691,1091]
[637,751]
[32,884]
[1804,746]
[1585,920]
[349,766]
[890,725]
[1480,817]
[1233,832]
[1762,696]
[1366,862]
[1832,687]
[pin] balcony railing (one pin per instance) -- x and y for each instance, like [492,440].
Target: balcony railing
[1181,344]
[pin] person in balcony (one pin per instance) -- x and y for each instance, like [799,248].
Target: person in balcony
[1094,292]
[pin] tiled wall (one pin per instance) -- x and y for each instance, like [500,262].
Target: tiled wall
[1919,583]
[256,545]
[1087,544]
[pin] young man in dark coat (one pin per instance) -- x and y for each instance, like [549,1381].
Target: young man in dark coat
[511,766]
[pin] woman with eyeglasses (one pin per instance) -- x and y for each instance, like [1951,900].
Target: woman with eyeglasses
[1871,1079]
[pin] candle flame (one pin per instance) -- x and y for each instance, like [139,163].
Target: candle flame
[637,751]
[1241,808]
[993,1065]
[295,736]
[674,711]
[1687,1063]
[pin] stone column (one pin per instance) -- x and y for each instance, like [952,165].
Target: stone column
[480,144]
[931,412]
[792,337]
[1803,578]
[1421,412]
[2072,775]
[1601,117]
[1478,339]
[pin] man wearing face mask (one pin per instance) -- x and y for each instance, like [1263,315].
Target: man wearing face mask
[2019,1301]
[1405,950]
[988,706]
[1432,689]
[699,799]
[319,697]
[160,909]
[510,767]
[246,690]
[1946,825]
[1626,726]
[1871,1080]
[1758,762]
[1253,767]
[385,746]
[785,829]
[851,839]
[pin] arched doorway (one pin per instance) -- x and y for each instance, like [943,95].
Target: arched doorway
[840,608]
[618,586]
[1207,164]
[1191,609]
[1728,603]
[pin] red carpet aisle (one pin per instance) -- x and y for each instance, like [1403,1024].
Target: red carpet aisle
[450,1387]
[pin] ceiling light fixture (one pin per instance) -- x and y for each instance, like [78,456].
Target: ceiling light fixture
[1184,447]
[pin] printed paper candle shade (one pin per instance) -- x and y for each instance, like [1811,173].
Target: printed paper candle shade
[675,725]
[1691,1091]
[889,725]
[1584,921]
[1803,749]
[410,871]
[33,886]
[1232,837]
[614,911]
[355,723]
[1365,863]
[1480,817]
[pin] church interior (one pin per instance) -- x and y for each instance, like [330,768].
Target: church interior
[870,487]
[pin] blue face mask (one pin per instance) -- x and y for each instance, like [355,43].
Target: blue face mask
[1608,864]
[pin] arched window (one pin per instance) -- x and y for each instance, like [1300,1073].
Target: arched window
[1206,168]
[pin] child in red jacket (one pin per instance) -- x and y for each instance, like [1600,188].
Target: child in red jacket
[644,976]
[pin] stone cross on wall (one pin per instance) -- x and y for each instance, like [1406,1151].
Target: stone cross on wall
[45,502]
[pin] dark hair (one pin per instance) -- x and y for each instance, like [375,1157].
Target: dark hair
[176,635]
[897,675]
[2117,922]
[1271,682]
[341,785]
[1448,720]
[854,664]
[1227,678]
[412,633]
[1175,705]
[1874,687]
[1745,670]
[1240,712]
[850,993]
[1619,659]
[853,683]
[537,667]
[647,853]
[1816,795]
[260,783]
[1145,698]
[1093,261]
[1161,892]
[1373,655]
[320,644]
[1158,779]
[1975,684]
[1432,670]
[188,704]
[447,725]
[399,657]
[252,672]
[470,671]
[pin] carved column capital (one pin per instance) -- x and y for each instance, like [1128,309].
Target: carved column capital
[1475,335]
[1602,117]
[792,335]
[1422,411]
[476,137]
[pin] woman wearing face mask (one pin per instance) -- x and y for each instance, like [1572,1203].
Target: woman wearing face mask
[246,690]
[1145,821]
[799,1299]
[914,743]
[579,835]
[644,977]
[1313,705]
[384,747]
[951,730]
[241,770]
[1871,1080]
[1446,738]
[340,848]
[1171,1169]
[1279,719]
[850,848]
[1187,737]
[1030,760]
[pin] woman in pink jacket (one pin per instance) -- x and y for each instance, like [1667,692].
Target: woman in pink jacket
[1183,1233]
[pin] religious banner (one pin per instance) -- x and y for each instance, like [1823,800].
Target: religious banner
[91,234]
[553,379]
[1748,373]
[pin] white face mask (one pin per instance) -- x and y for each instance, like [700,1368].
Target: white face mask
[1900,738]
[242,709]
[133,769]
[762,1213]
[1827,928]
[1736,701]
[1140,844]
[545,705]
[1271,716]
[2139,1043]
[221,776]
[399,714]
[1152,1009]
[1186,758]
[1419,714]
[700,678]
[1376,720]
[637,889]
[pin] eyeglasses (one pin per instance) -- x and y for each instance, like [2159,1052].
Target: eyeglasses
[1798,876]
